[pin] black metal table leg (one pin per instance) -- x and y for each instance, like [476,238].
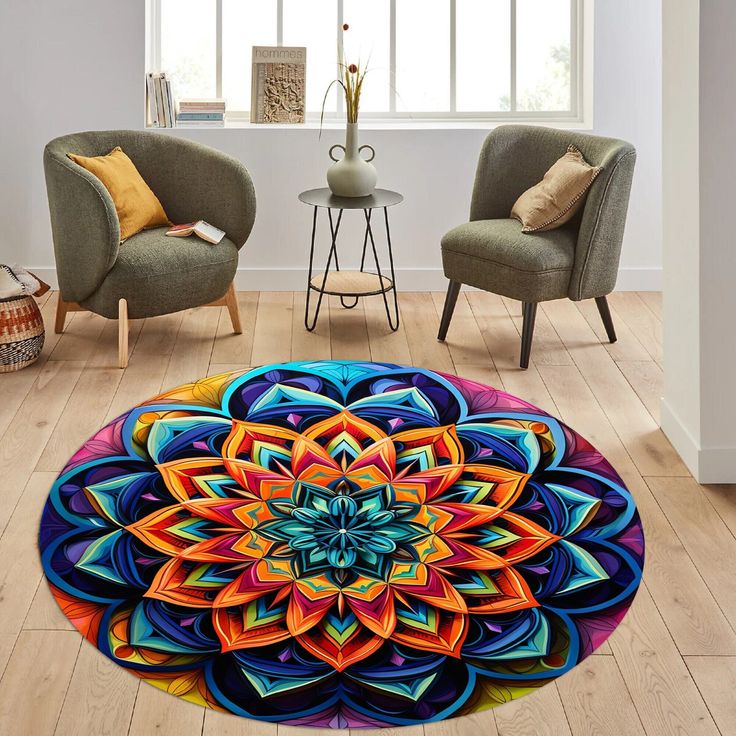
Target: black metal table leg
[309,274]
[349,306]
[365,242]
[392,323]
[356,299]
[334,229]
[393,273]
[333,233]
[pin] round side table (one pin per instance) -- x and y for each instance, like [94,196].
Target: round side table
[351,285]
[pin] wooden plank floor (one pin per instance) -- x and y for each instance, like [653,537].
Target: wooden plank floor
[670,668]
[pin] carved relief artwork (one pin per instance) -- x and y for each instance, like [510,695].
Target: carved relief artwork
[283,100]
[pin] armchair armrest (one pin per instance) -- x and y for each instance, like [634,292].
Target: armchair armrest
[602,226]
[84,224]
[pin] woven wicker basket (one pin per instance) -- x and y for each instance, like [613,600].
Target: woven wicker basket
[21,333]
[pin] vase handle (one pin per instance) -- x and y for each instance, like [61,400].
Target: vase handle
[342,148]
[372,150]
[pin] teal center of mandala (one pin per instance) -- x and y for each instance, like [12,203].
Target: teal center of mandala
[331,529]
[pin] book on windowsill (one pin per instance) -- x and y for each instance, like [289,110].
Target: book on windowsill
[160,100]
[214,104]
[200,123]
[216,116]
[200,228]
[278,84]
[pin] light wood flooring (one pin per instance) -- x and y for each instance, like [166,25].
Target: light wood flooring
[670,668]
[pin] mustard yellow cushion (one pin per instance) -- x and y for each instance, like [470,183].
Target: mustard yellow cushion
[137,206]
[558,197]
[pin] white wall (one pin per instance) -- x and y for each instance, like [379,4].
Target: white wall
[681,225]
[700,258]
[78,65]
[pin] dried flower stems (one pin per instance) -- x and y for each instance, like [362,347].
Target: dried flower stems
[351,80]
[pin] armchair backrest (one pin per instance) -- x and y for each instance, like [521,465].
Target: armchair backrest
[516,157]
[192,181]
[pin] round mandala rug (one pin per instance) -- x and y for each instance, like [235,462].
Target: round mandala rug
[341,544]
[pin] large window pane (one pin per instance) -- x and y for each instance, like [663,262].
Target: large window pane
[543,55]
[245,24]
[368,40]
[422,55]
[483,55]
[188,29]
[422,83]
[313,23]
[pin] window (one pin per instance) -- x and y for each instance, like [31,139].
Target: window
[427,59]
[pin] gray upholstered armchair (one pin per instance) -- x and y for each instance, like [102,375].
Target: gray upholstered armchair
[149,274]
[578,261]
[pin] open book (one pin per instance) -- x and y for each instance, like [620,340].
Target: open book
[201,228]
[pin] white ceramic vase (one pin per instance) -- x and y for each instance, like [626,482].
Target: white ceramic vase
[352,175]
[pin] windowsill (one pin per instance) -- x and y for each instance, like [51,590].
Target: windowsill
[368,124]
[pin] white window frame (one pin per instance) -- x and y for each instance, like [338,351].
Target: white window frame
[581,71]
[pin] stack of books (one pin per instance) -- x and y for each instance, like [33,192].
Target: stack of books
[204,112]
[161,104]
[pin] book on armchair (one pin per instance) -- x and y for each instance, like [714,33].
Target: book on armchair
[200,228]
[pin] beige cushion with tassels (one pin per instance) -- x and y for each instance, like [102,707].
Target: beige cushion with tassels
[558,197]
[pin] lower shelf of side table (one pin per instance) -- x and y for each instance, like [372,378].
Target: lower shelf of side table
[352,283]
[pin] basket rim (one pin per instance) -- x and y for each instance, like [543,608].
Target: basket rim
[8,299]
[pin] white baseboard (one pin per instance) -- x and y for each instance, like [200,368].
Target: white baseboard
[408,279]
[707,464]
[683,442]
[418,279]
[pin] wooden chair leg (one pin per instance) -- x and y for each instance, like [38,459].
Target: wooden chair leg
[123,333]
[61,309]
[529,311]
[453,289]
[231,301]
[602,303]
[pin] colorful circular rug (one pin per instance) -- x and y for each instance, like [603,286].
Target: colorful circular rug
[341,544]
